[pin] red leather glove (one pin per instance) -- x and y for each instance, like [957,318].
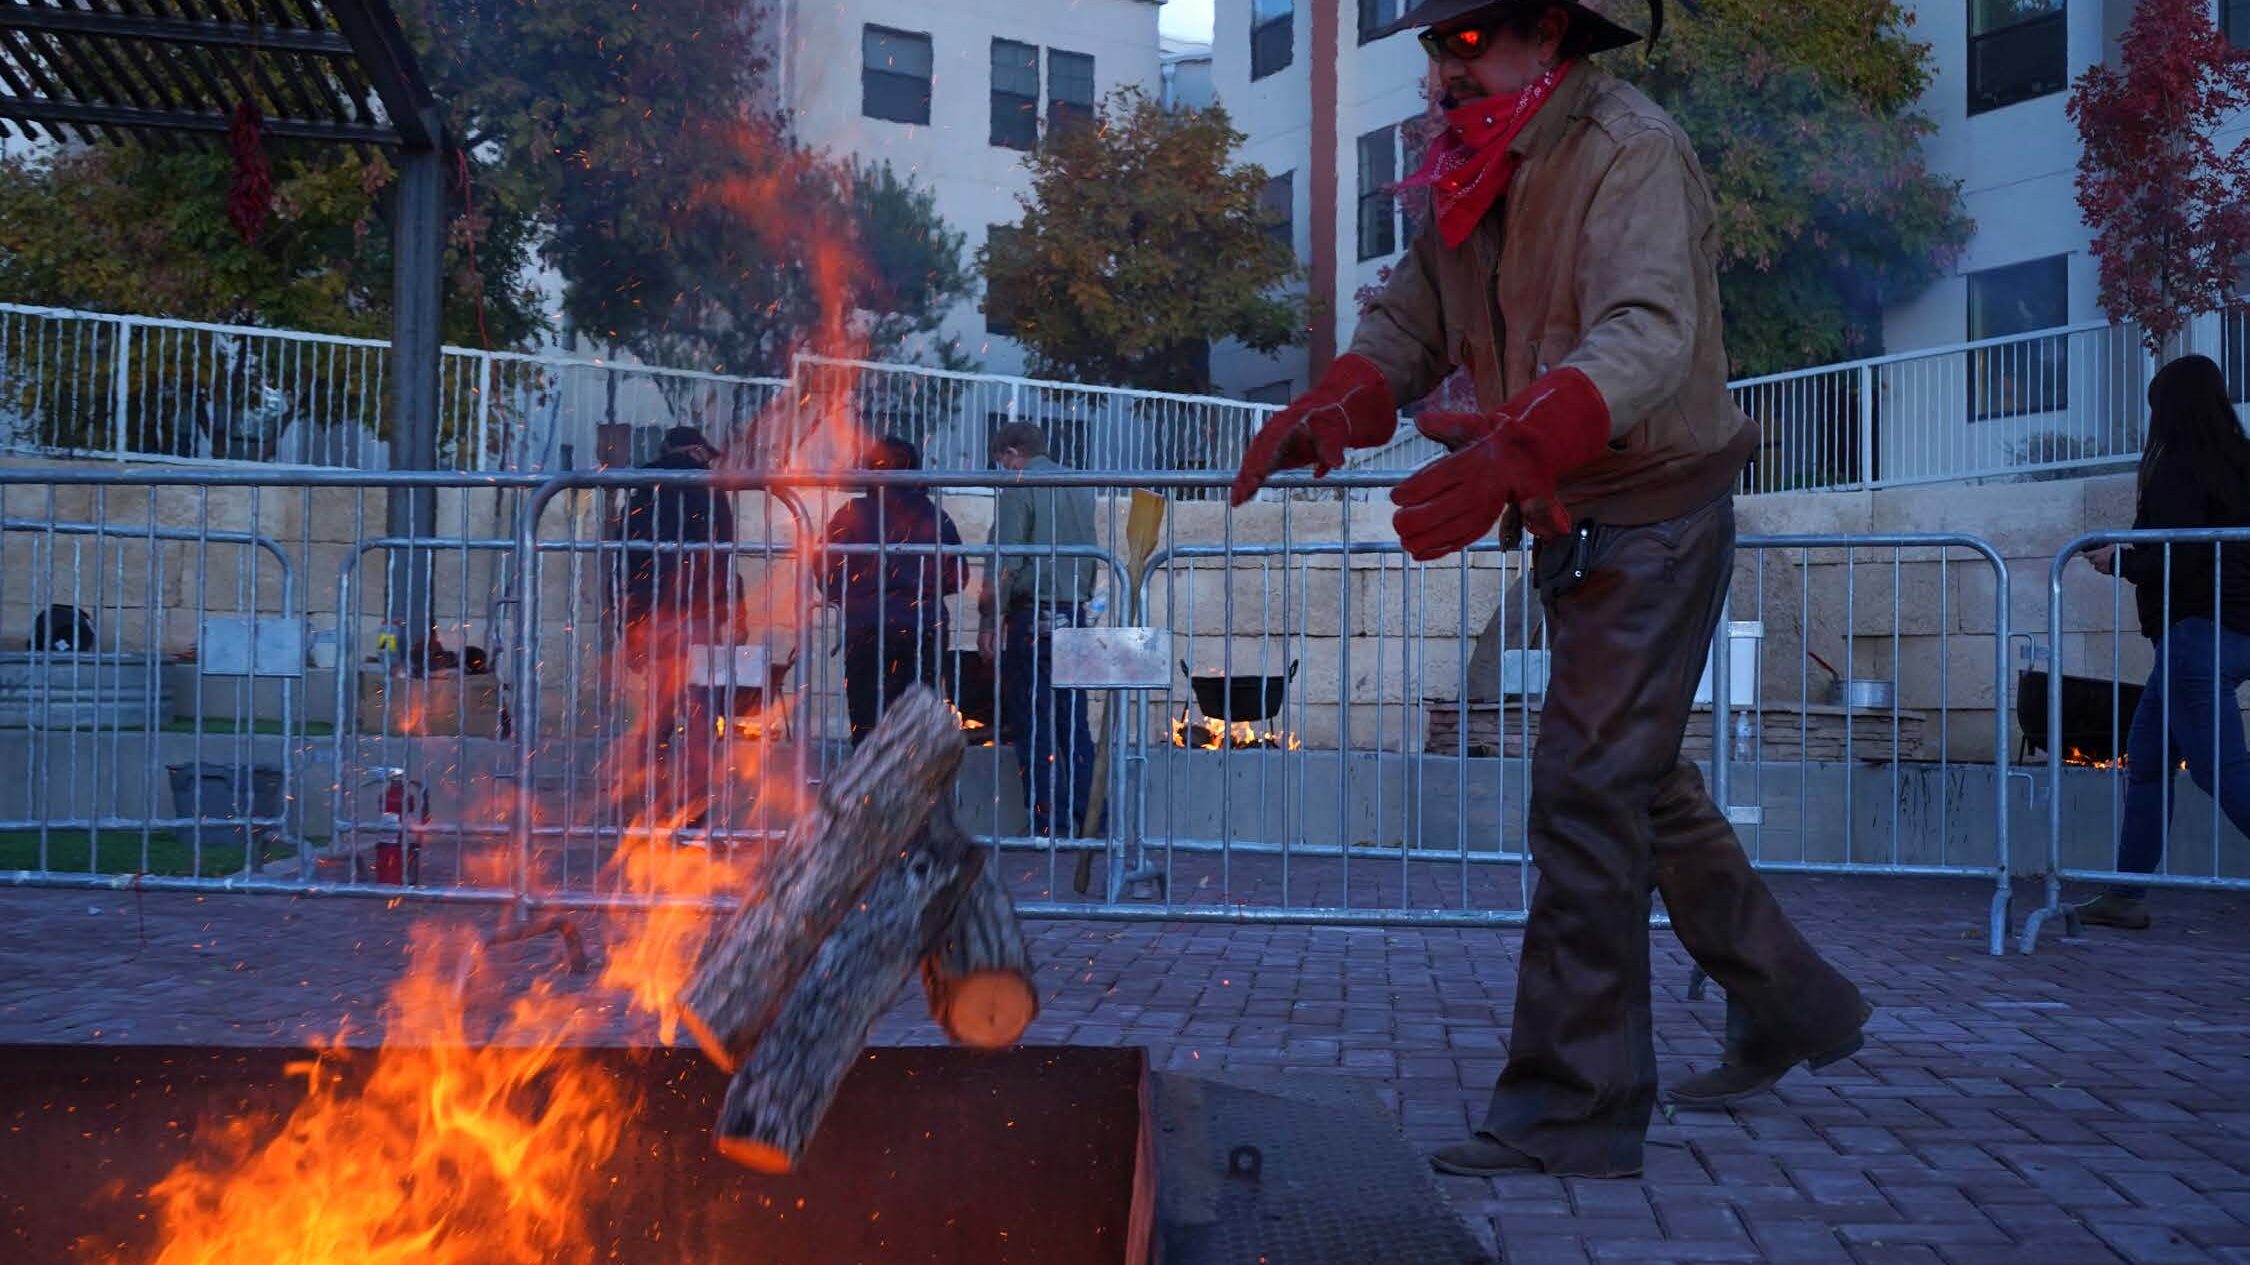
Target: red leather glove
[1559,423]
[1350,407]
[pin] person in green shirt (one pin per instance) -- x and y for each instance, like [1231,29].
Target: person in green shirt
[1031,591]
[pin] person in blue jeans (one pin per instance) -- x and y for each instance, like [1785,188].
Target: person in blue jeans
[2195,605]
[1034,590]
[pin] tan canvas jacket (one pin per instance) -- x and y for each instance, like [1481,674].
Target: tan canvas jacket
[1602,257]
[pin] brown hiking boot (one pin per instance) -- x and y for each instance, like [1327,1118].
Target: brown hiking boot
[1482,1156]
[2113,910]
[1731,1082]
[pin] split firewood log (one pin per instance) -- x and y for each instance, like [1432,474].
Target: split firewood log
[863,819]
[790,1076]
[977,978]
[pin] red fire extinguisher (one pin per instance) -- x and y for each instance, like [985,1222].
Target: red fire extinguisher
[406,811]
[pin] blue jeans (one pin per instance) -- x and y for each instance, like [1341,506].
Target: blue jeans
[1054,746]
[2196,684]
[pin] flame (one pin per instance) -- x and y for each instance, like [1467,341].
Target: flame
[974,732]
[1206,734]
[2079,759]
[458,1146]
[468,1142]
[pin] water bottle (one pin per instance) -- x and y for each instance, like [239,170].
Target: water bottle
[1097,608]
[1745,736]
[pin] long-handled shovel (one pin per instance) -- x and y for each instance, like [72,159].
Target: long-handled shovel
[1144,524]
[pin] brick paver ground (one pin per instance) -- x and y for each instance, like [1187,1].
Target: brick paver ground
[2088,1103]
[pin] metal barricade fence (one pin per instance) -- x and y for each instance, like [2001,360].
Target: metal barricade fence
[199,682]
[2094,699]
[1343,745]
[1345,741]
[1891,758]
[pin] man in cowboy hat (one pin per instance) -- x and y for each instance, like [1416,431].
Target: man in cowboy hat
[1569,266]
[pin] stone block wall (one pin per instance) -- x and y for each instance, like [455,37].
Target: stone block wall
[1372,640]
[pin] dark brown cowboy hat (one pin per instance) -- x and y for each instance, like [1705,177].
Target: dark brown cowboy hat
[1601,33]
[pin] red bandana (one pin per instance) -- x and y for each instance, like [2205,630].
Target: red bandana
[1470,164]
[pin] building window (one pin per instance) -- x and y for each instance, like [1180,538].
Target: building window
[2234,19]
[2018,49]
[1277,202]
[2022,376]
[2234,349]
[1374,14]
[998,320]
[894,75]
[1378,210]
[1070,89]
[1015,94]
[1273,36]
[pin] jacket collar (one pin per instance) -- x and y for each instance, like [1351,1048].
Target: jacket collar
[1568,103]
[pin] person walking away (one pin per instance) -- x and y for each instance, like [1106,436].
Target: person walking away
[678,592]
[890,591]
[2195,473]
[1570,265]
[1032,591]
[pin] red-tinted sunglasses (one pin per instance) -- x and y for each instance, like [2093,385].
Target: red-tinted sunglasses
[1462,44]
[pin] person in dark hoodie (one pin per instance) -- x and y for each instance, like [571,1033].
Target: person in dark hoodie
[893,603]
[674,598]
[2195,605]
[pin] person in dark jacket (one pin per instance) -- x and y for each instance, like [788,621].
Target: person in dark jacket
[2194,603]
[893,603]
[673,598]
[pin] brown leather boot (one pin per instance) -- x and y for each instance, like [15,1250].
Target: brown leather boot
[1731,1081]
[2113,910]
[1482,1156]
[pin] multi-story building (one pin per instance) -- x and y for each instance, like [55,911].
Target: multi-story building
[955,93]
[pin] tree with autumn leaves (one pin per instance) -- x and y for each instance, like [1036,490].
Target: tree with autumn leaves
[600,137]
[2169,208]
[1142,242]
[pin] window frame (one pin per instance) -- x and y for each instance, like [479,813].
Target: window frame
[2028,375]
[870,75]
[2051,26]
[1270,56]
[1281,212]
[1015,115]
[998,325]
[1069,112]
[2234,22]
[1374,193]
[1374,14]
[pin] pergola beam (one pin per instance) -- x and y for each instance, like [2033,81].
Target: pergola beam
[110,24]
[82,115]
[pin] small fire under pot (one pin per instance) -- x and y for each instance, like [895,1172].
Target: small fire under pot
[1035,1156]
[2096,714]
[1234,708]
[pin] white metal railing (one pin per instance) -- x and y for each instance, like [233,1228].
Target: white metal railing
[2058,401]
[156,389]
[147,388]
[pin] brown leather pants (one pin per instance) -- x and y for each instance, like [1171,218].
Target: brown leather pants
[1615,813]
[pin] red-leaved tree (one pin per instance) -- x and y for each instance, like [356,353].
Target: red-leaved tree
[2167,207]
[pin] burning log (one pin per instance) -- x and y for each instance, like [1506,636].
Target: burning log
[977,978]
[865,816]
[791,1076]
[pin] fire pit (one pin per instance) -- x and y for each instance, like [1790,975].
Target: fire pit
[2095,716]
[1068,1155]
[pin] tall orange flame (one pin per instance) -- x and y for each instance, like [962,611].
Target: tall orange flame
[473,1144]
